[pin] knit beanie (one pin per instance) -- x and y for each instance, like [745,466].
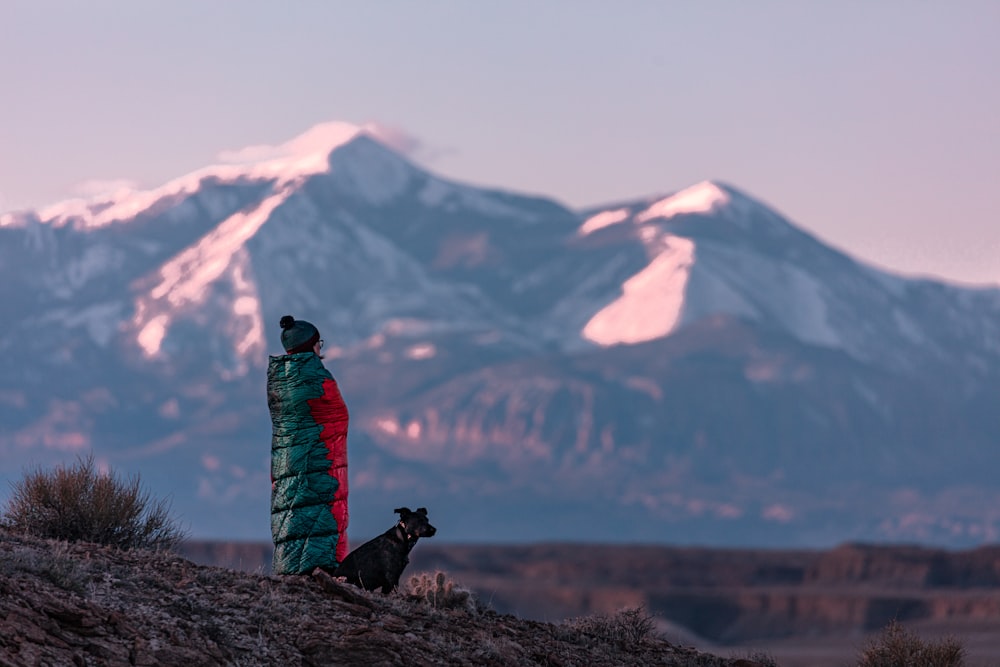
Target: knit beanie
[298,335]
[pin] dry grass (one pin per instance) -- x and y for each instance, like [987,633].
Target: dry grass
[55,567]
[627,627]
[80,504]
[897,647]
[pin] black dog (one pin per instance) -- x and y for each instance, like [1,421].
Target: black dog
[380,562]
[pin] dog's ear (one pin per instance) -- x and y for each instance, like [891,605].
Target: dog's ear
[422,510]
[403,511]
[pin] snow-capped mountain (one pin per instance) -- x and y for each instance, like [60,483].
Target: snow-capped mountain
[689,368]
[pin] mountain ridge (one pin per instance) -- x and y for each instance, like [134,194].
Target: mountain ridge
[690,361]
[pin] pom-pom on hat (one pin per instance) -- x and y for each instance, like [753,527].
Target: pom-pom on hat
[298,335]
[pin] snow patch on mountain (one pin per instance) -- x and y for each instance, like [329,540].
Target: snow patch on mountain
[652,302]
[11,220]
[127,204]
[185,280]
[421,351]
[603,219]
[302,155]
[703,197]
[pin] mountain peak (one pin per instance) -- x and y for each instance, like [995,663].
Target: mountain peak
[703,197]
[302,156]
[366,167]
[305,154]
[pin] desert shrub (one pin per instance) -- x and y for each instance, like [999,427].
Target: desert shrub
[897,647]
[627,627]
[80,504]
[439,591]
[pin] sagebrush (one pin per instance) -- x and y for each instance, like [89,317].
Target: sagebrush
[628,626]
[78,503]
[897,647]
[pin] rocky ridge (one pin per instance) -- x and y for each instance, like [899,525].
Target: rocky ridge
[85,604]
[803,608]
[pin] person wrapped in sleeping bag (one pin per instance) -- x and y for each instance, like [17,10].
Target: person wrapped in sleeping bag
[309,420]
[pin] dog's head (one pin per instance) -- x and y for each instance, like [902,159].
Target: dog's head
[415,524]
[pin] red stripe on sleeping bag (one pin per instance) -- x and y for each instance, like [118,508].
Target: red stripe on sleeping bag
[330,412]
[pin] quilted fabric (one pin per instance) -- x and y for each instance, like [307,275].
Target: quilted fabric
[309,421]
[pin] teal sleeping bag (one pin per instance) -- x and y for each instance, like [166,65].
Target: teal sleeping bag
[308,464]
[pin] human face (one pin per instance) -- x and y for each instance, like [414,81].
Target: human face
[318,347]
